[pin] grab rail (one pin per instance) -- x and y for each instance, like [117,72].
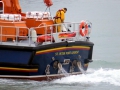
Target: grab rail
[2,11]
[28,41]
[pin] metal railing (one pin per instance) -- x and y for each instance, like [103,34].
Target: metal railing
[28,42]
[2,8]
[5,34]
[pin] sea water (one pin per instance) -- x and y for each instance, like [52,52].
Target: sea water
[104,72]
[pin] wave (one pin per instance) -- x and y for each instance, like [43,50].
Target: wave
[111,76]
[92,77]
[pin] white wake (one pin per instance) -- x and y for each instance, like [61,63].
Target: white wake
[111,76]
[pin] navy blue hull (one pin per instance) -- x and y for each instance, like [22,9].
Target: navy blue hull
[46,59]
[35,61]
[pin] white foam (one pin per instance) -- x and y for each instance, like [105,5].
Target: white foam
[111,76]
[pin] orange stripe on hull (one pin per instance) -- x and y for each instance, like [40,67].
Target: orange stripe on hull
[63,48]
[18,69]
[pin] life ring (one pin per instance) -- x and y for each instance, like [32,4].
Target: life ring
[48,3]
[84,25]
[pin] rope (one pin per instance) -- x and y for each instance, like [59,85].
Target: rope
[44,12]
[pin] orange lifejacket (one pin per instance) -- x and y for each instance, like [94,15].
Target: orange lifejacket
[59,18]
[59,11]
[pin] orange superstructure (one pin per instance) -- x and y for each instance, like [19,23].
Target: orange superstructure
[11,6]
[9,30]
[10,10]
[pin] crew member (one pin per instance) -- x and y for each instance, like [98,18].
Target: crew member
[59,18]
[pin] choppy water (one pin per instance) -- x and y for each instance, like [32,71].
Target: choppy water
[104,72]
[95,79]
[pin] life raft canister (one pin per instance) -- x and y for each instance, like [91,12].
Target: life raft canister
[83,25]
[48,3]
[67,35]
[43,38]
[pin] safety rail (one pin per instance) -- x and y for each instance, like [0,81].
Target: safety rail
[13,37]
[2,8]
[73,28]
[69,28]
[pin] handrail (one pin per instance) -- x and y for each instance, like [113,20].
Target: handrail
[75,29]
[17,30]
[2,7]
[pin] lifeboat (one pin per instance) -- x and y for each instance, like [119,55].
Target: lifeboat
[32,48]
